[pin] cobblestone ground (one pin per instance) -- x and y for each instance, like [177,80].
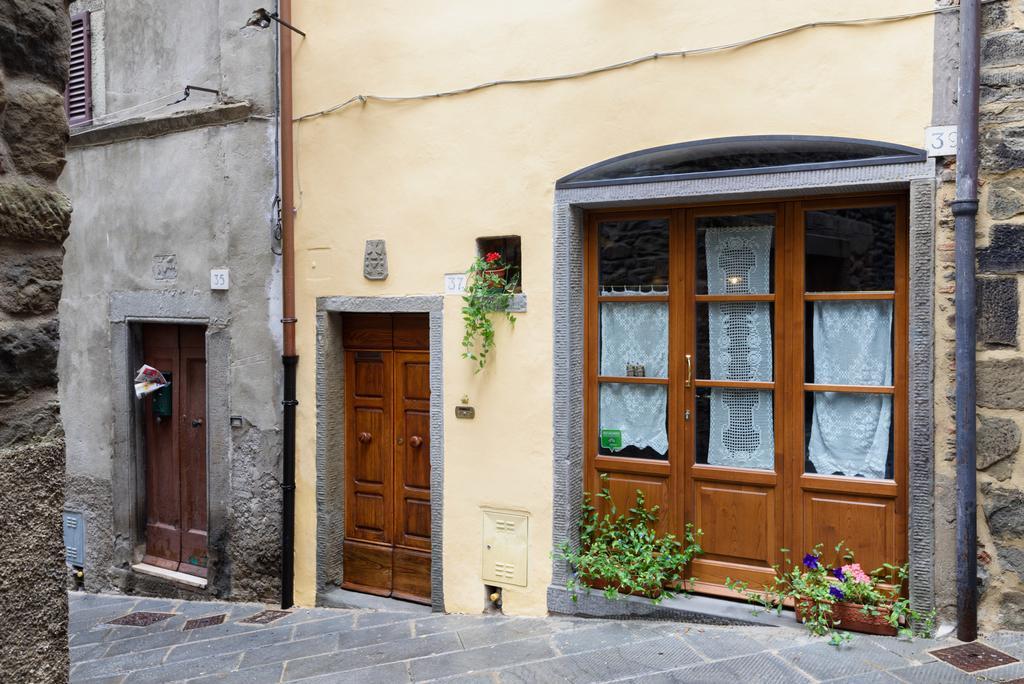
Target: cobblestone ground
[359,645]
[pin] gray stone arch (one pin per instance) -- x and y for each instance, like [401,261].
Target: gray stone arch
[915,176]
[330,432]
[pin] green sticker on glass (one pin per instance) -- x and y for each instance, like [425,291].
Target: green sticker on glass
[611,439]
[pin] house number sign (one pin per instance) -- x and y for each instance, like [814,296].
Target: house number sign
[940,141]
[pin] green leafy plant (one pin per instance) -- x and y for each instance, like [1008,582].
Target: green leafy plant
[488,291]
[815,590]
[623,554]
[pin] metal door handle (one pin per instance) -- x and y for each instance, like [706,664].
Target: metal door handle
[196,422]
[689,370]
[415,441]
[365,437]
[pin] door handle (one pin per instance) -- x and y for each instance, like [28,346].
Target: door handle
[689,371]
[365,437]
[415,441]
[196,422]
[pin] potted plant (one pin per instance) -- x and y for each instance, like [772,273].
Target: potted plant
[843,596]
[489,290]
[623,554]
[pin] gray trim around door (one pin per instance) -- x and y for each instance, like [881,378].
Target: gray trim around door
[330,433]
[916,177]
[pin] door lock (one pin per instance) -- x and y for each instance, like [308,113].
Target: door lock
[401,441]
[686,414]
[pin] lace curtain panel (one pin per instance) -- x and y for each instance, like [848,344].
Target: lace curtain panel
[852,346]
[740,337]
[635,334]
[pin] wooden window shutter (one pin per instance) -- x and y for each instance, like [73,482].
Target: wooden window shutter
[78,96]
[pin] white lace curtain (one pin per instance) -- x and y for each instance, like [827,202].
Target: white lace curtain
[635,334]
[741,428]
[852,346]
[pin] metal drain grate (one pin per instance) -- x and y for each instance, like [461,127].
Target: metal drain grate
[208,621]
[140,618]
[973,657]
[264,617]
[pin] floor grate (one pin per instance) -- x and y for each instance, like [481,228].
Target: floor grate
[140,618]
[264,617]
[973,657]
[208,621]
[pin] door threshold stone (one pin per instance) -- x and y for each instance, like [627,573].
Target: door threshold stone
[172,575]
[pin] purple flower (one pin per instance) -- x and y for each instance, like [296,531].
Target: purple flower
[836,592]
[811,562]
[838,572]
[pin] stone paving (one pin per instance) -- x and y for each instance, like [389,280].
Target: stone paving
[391,645]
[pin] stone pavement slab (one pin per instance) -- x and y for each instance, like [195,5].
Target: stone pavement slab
[389,644]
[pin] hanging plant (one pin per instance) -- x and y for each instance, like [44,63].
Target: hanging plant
[489,291]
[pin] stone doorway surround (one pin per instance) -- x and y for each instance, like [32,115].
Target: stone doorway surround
[330,433]
[127,311]
[915,177]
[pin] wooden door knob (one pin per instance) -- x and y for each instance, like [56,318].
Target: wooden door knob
[415,441]
[365,437]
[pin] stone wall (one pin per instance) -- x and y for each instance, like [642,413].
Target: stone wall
[1000,262]
[34,219]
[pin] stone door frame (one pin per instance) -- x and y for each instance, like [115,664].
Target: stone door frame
[915,177]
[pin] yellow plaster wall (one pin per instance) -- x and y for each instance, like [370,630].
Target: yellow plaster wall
[431,176]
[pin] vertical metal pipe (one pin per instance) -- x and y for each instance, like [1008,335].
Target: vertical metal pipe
[289,358]
[965,210]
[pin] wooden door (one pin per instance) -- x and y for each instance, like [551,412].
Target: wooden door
[722,382]
[175,451]
[387,455]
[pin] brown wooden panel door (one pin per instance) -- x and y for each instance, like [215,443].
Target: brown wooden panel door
[387,455]
[163,491]
[175,462]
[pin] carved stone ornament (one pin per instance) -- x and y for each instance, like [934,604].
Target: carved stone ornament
[375,260]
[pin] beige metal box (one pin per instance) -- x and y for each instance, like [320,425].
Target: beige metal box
[505,555]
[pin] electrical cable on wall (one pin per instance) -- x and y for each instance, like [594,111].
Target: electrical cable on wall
[631,62]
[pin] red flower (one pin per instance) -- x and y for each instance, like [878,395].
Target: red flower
[492,257]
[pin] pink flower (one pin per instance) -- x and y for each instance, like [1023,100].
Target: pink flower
[856,573]
[492,257]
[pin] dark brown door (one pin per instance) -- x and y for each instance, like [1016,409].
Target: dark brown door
[176,512]
[387,455]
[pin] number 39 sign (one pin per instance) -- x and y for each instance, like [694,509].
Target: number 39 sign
[940,141]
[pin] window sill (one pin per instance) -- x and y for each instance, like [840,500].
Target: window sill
[172,575]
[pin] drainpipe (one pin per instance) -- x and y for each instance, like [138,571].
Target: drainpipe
[289,359]
[965,210]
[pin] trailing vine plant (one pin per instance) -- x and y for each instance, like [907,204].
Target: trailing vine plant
[624,554]
[489,291]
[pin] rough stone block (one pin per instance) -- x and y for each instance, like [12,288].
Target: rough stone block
[28,357]
[32,213]
[995,16]
[1001,148]
[1011,558]
[33,633]
[1006,196]
[1000,85]
[31,284]
[1012,610]
[998,442]
[1004,511]
[36,129]
[996,301]
[1002,49]
[1001,383]
[35,39]
[1005,253]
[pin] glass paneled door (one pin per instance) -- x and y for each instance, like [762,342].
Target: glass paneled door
[746,369]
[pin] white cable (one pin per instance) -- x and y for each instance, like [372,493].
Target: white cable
[631,62]
[126,109]
[120,121]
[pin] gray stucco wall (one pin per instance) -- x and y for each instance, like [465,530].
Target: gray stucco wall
[197,189]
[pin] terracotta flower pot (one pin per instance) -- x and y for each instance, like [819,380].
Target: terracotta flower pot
[851,617]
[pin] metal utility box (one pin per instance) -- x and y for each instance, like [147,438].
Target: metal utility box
[162,399]
[505,547]
[74,538]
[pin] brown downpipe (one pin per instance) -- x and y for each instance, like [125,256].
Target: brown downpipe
[289,358]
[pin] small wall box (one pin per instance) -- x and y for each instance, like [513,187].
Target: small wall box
[505,547]
[219,279]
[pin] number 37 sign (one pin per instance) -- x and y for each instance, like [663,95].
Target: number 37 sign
[940,141]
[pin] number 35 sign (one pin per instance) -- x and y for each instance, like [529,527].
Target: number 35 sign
[940,141]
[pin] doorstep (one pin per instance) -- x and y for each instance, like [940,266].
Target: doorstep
[691,608]
[172,575]
[344,598]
